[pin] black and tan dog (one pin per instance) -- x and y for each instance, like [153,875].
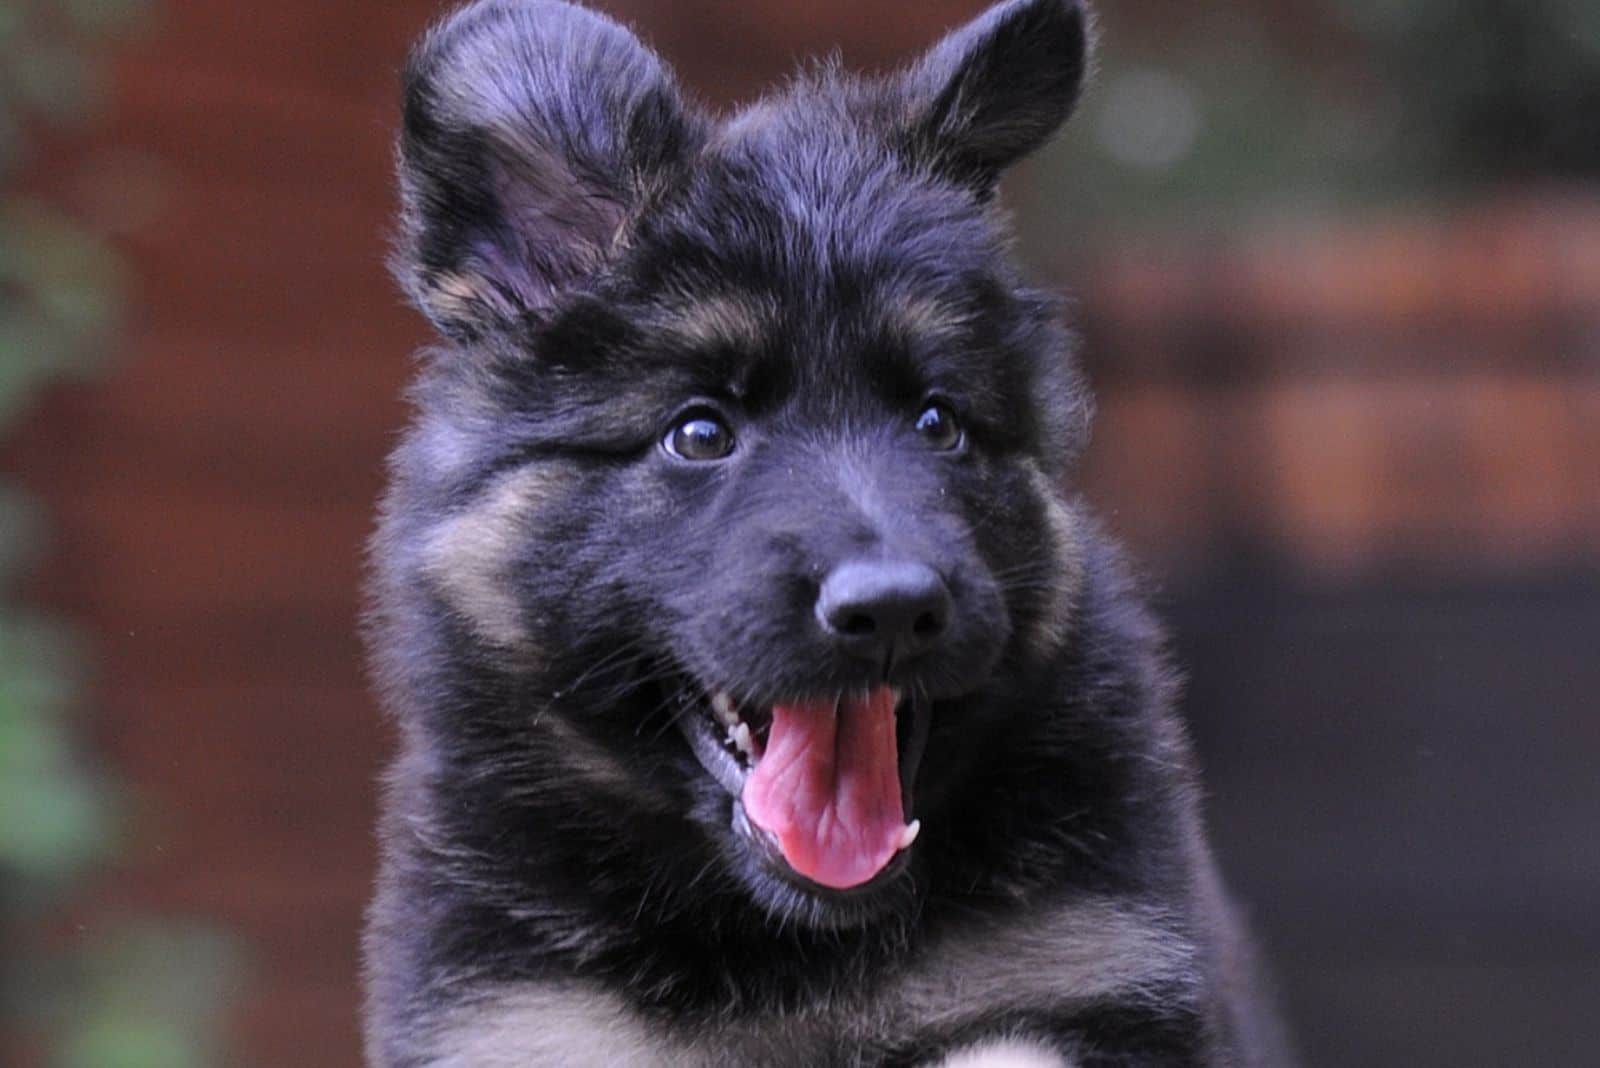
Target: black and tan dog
[764,699]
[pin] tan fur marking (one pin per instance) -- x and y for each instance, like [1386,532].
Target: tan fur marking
[467,557]
[737,321]
[920,316]
[1089,951]
[597,764]
[456,290]
[1066,549]
[460,295]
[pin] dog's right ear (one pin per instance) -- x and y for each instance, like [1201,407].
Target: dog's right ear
[532,131]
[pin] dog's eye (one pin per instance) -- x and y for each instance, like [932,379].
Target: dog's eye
[699,436]
[939,426]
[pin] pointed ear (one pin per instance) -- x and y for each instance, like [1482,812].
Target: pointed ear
[997,88]
[532,132]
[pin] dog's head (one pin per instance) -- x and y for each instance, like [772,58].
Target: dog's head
[738,468]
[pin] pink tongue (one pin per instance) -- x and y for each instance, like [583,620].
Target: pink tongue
[827,787]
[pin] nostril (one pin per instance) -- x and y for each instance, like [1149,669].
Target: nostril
[858,625]
[928,625]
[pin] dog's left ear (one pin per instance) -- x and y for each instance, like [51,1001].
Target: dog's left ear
[996,89]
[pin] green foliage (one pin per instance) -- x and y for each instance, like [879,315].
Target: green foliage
[170,1018]
[53,811]
[1494,88]
[1227,115]
[62,291]
[141,994]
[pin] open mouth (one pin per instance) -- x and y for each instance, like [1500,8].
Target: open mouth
[823,786]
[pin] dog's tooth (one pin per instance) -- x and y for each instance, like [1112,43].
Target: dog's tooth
[740,734]
[909,832]
[723,707]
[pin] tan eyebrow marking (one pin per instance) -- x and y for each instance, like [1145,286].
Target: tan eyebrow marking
[738,321]
[916,315]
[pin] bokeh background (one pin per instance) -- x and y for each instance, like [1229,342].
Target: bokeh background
[1337,270]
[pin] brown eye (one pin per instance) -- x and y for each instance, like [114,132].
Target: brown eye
[938,426]
[699,436]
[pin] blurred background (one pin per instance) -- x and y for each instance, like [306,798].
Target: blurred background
[1337,270]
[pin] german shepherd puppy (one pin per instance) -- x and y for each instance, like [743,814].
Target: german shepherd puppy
[764,698]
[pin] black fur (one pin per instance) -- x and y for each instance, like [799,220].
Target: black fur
[601,256]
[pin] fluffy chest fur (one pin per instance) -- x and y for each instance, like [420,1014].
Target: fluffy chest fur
[1068,960]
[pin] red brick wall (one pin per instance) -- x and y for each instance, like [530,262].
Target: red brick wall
[1416,391]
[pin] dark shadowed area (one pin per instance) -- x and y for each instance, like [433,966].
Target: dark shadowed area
[1336,268]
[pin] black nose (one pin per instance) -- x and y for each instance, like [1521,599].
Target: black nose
[884,611]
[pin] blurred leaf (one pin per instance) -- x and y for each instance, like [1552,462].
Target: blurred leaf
[149,994]
[128,1042]
[60,296]
[52,819]
[107,17]
[55,80]
[53,823]
[157,996]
